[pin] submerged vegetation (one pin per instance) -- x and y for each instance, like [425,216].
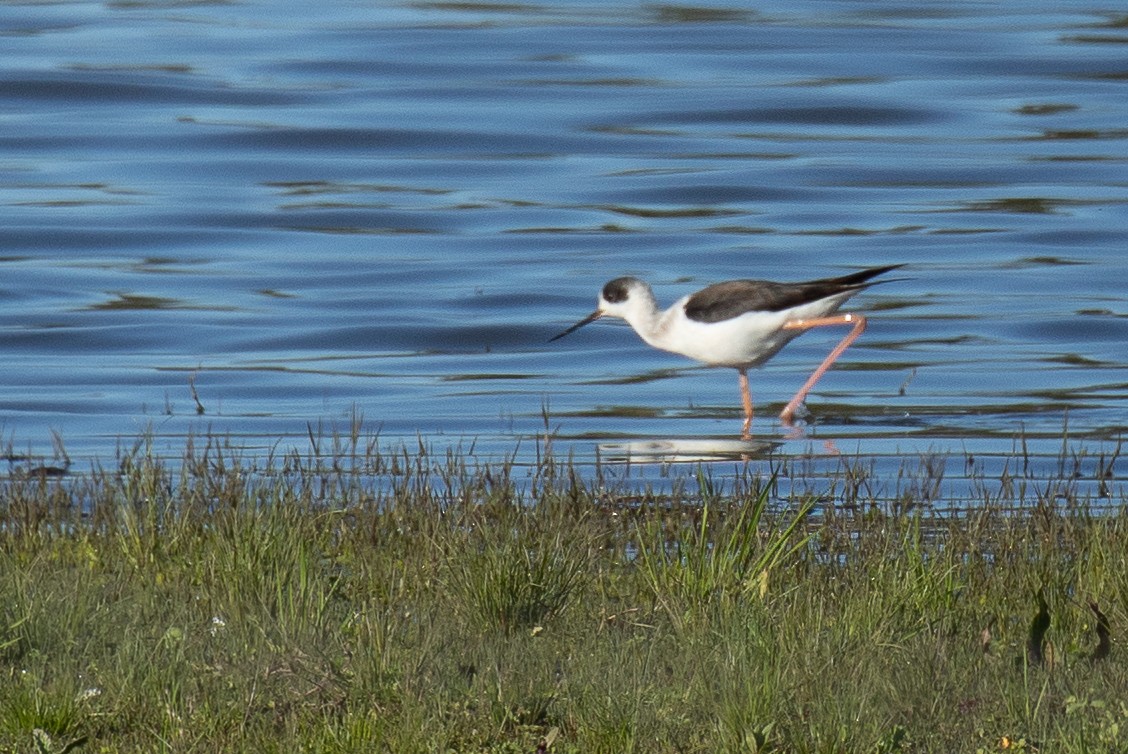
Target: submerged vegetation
[352,599]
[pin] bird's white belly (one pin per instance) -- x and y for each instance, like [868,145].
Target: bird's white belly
[748,340]
[745,341]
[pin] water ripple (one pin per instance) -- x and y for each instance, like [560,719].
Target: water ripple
[292,218]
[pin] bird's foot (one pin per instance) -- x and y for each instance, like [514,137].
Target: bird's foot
[787,419]
[791,411]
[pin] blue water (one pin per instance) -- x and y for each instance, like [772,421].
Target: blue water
[386,209]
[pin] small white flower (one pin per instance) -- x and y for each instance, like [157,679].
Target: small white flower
[217,625]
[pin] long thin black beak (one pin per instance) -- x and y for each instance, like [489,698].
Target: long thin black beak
[585,321]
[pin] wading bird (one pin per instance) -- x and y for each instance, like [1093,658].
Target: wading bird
[739,323]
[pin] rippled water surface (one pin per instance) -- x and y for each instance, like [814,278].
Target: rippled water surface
[283,215]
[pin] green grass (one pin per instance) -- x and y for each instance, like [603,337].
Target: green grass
[350,599]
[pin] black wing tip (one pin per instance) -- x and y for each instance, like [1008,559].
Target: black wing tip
[862,278]
[869,273]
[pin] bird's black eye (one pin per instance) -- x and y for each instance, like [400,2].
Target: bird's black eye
[616,291]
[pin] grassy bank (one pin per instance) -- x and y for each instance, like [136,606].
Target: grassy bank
[213,604]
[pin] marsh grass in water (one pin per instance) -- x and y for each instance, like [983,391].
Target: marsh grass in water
[348,598]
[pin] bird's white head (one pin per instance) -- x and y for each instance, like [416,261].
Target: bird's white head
[627,298]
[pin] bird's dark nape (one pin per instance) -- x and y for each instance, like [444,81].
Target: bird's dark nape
[617,291]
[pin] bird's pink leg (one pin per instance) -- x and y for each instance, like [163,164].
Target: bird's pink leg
[746,397]
[859,323]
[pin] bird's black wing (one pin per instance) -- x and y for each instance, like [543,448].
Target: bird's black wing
[735,297]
